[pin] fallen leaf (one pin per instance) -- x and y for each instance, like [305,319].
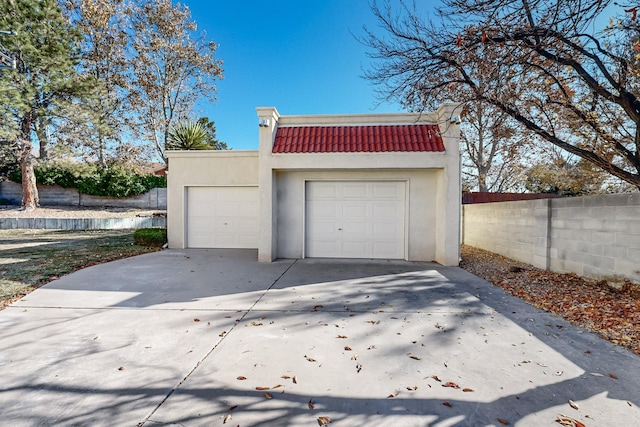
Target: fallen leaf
[414,357]
[227,418]
[317,307]
[233,407]
[121,368]
[450,384]
[574,405]
[347,348]
[196,320]
[468,390]
[613,376]
[276,386]
[310,359]
[412,387]
[286,377]
[568,421]
[268,396]
[341,336]
[323,421]
[447,404]
[435,377]
[392,395]
[241,378]
[311,404]
[263,388]
[501,421]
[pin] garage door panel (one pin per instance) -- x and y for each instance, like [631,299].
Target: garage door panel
[351,249]
[387,210]
[354,209]
[381,249]
[222,217]
[326,209]
[364,219]
[322,191]
[390,191]
[354,191]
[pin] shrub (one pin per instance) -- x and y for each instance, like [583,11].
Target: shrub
[150,237]
[115,181]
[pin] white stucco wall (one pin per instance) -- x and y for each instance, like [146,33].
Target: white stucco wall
[203,168]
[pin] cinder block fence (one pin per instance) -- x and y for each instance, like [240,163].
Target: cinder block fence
[594,236]
[56,195]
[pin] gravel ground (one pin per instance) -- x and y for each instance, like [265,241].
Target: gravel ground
[77,212]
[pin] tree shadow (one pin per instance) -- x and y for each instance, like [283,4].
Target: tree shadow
[460,328]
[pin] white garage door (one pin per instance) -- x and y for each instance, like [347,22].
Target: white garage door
[355,219]
[222,217]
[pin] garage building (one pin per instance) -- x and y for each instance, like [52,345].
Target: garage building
[383,186]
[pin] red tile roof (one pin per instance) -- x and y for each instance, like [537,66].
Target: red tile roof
[353,139]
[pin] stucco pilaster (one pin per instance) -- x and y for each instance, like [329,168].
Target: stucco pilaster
[449,187]
[267,124]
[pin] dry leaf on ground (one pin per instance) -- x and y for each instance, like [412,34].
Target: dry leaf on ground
[612,312]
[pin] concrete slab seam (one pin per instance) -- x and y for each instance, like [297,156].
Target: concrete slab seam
[237,322]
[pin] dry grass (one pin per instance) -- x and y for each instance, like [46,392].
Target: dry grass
[31,258]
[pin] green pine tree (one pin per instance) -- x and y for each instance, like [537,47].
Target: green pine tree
[34,93]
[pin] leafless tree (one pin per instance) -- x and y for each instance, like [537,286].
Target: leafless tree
[552,66]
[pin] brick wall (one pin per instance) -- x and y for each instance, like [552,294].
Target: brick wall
[591,236]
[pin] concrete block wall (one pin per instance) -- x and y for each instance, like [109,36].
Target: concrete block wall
[517,230]
[594,236]
[55,195]
[597,235]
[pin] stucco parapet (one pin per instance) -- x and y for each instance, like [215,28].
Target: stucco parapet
[395,160]
[358,119]
[201,154]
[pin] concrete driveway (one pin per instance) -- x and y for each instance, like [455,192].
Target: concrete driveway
[212,338]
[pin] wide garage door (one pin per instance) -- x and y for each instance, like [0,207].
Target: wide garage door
[222,217]
[355,219]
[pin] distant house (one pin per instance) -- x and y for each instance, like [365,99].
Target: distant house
[342,186]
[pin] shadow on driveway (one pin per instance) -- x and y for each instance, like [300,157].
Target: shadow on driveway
[182,337]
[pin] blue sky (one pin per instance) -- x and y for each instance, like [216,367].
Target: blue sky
[298,56]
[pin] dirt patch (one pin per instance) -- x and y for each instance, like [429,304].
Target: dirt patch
[31,258]
[613,312]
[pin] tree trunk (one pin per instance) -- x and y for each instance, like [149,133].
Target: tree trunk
[43,141]
[30,199]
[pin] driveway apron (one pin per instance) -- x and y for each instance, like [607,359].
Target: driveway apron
[212,337]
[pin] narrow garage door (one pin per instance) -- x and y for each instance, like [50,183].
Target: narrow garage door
[222,217]
[355,219]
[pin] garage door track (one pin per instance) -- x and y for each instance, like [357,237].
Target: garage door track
[212,337]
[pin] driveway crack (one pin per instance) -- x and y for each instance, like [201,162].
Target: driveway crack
[192,370]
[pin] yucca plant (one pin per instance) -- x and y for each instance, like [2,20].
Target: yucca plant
[188,135]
